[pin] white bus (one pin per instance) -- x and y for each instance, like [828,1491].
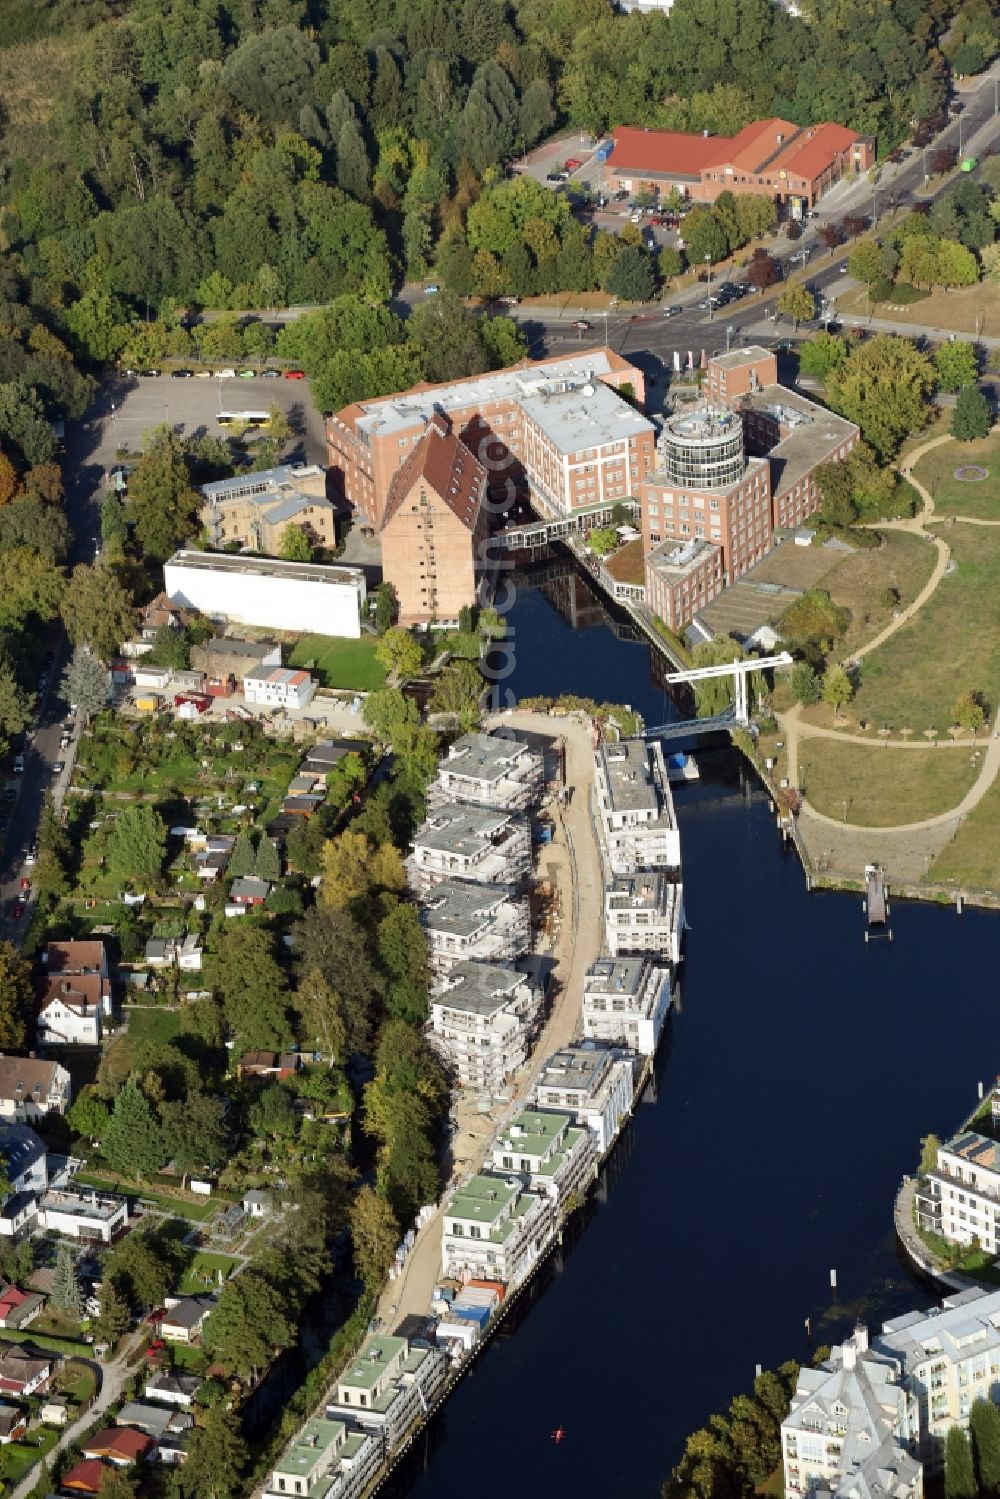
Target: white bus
[243,418]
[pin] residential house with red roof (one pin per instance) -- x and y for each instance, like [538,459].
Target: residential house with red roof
[84,1478]
[120,1445]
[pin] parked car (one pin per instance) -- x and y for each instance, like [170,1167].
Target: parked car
[31,856]
[203,374]
[228,374]
[19,765]
[25,883]
[635,217]
[582,324]
[247,375]
[671,311]
[17,909]
[573,163]
[553,177]
[270,374]
[432,290]
[58,767]
[149,374]
[295,374]
[181,374]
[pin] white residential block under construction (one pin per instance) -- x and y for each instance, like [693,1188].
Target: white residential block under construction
[481,923]
[489,770]
[483,1019]
[626,1001]
[635,807]
[463,842]
[644,913]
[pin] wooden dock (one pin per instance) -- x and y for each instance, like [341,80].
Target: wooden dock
[876,901]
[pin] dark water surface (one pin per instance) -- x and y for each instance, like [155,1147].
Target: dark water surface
[791,1096]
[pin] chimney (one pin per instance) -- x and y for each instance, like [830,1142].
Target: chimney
[849,1354]
[861,1337]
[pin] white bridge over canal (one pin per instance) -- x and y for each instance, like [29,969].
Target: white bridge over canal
[737,715]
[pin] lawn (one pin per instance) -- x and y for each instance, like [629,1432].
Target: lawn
[627,564]
[177,1207]
[978,498]
[963,309]
[17,1457]
[914,678]
[76,1380]
[201,1275]
[882,787]
[151,1023]
[860,581]
[972,859]
[348,664]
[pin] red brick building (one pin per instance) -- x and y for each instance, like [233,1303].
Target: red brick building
[792,164]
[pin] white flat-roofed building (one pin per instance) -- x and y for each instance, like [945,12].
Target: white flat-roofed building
[483,1019]
[846,1431]
[480,923]
[636,807]
[626,1001]
[495,1230]
[86,1214]
[326,1459]
[946,1359]
[389,1385]
[960,1198]
[463,842]
[489,770]
[644,912]
[279,687]
[548,1153]
[592,1083]
[302,596]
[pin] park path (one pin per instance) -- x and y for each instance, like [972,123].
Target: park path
[573,857]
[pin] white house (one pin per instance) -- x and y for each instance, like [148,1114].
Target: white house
[31,1087]
[278,687]
[494,1229]
[389,1385]
[327,1457]
[635,807]
[549,1153]
[463,842]
[960,1198]
[70,1012]
[626,1001]
[300,596]
[26,1160]
[86,1214]
[483,1018]
[592,1083]
[489,770]
[644,912]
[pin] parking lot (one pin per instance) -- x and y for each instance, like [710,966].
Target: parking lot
[137,404]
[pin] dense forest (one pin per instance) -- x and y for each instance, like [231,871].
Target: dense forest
[249,153]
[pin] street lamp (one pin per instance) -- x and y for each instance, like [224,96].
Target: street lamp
[729,334]
[708,262]
[605,315]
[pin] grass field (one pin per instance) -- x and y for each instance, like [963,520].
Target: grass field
[17,1457]
[882,786]
[76,1380]
[914,678]
[201,1275]
[348,664]
[179,1207]
[980,498]
[860,582]
[957,309]
[146,1023]
[972,859]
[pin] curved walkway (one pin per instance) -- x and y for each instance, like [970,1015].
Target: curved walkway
[794,729]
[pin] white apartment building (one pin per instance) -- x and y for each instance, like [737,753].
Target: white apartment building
[31,1088]
[591,1083]
[489,770]
[278,687]
[86,1214]
[946,1359]
[548,1153]
[635,806]
[461,842]
[626,1001]
[483,1019]
[495,1230]
[328,1459]
[389,1386]
[643,913]
[301,596]
[480,923]
[960,1199]
[845,1433]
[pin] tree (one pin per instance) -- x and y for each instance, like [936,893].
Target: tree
[194,1132]
[796,301]
[163,503]
[29,584]
[250,1323]
[837,689]
[969,713]
[267,865]
[819,355]
[956,365]
[633,275]
[117,1485]
[959,1476]
[401,1104]
[883,385]
[402,954]
[217,1457]
[704,237]
[89,1115]
[400,653]
[16,703]
[387,712]
[984,1428]
[85,683]
[386,607]
[15,998]
[804,683]
[865,262]
[714,695]
[114,1318]
[272,1116]
[971,417]
[458,691]
[133,1141]
[137,844]
[375,1233]
[243,857]
[97,610]
[322,1012]
[254,993]
[295,545]
[929,1147]
[65,1293]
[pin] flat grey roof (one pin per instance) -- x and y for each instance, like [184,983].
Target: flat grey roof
[577,1069]
[737,358]
[675,558]
[401,412]
[632,779]
[485,757]
[816,433]
[649,890]
[264,480]
[265,567]
[463,830]
[478,988]
[588,414]
[616,976]
[460,908]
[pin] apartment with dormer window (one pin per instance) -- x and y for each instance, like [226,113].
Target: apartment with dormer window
[548,1153]
[495,1229]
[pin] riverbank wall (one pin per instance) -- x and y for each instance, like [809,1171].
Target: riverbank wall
[916,1251]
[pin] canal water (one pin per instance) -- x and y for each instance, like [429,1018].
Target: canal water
[790,1098]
